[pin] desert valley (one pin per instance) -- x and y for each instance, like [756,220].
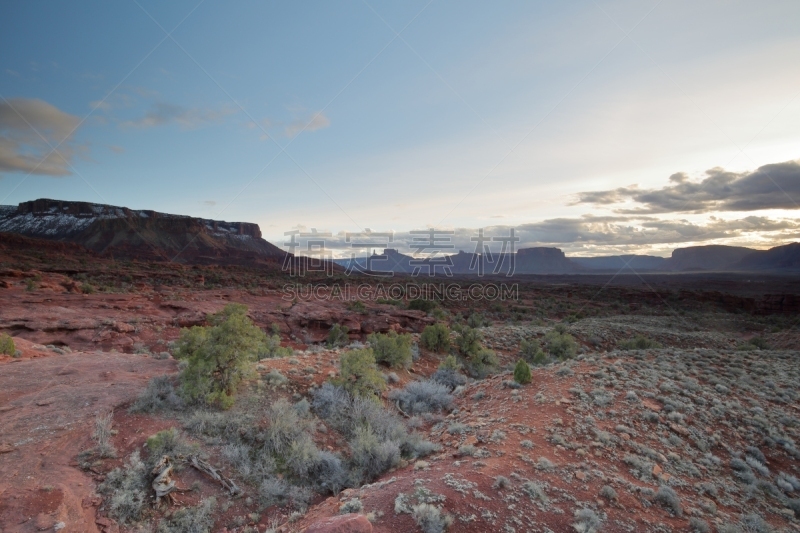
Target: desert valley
[653,402]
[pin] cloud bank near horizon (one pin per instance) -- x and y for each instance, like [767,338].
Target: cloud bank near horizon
[774,186]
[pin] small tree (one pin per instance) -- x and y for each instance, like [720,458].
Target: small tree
[337,336]
[522,372]
[359,374]
[435,338]
[392,349]
[219,355]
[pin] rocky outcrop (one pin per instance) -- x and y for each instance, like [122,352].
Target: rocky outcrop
[140,234]
[713,257]
[538,260]
[542,260]
[779,258]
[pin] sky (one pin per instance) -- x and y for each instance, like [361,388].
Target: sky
[599,127]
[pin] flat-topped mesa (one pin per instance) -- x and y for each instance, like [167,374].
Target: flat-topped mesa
[45,208]
[142,234]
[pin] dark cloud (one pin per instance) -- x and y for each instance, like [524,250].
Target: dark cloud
[775,186]
[162,113]
[28,129]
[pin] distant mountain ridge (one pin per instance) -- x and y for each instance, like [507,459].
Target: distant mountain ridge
[141,234]
[541,260]
[150,235]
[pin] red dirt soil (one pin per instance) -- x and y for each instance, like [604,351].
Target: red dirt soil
[47,410]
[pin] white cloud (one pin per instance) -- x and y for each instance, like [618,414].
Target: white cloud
[163,113]
[28,129]
[316,122]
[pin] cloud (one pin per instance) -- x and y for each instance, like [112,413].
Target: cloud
[317,122]
[27,125]
[774,186]
[162,113]
[209,203]
[116,149]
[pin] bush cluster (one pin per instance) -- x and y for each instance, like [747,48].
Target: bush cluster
[391,348]
[639,342]
[125,489]
[7,345]
[435,338]
[377,437]
[159,395]
[272,348]
[197,519]
[532,352]
[422,397]
[422,305]
[359,374]
[560,344]
[337,336]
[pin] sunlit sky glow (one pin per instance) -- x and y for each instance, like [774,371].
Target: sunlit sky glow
[396,116]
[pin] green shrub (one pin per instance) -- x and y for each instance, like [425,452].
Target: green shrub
[435,338]
[450,363]
[483,363]
[272,348]
[639,342]
[219,356]
[468,341]
[87,288]
[560,345]
[391,348]
[532,352]
[422,305]
[760,343]
[337,336]
[439,314]
[7,345]
[358,307]
[522,372]
[168,442]
[359,374]
[756,343]
[477,320]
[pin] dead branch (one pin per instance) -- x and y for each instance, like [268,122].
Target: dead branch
[212,472]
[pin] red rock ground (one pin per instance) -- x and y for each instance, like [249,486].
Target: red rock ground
[47,408]
[76,362]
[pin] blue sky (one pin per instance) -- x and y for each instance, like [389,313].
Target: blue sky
[396,116]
